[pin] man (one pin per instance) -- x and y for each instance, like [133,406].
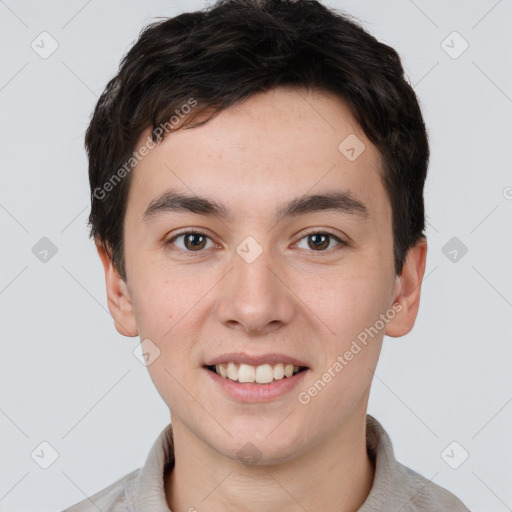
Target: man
[257,173]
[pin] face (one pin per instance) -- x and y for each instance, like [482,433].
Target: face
[247,274]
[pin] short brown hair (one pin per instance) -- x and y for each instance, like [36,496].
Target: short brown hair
[233,49]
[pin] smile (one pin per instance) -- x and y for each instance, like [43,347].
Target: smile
[262,374]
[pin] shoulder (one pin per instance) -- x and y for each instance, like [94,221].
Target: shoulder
[109,499]
[398,487]
[418,494]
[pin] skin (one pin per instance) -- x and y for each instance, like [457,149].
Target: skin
[293,299]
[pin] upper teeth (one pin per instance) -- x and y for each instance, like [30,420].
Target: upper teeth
[262,374]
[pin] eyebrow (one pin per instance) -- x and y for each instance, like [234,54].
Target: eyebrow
[340,201]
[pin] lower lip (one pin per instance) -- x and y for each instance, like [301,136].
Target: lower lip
[248,392]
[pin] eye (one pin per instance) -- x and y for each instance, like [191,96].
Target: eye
[196,241]
[193,241]
[320,240]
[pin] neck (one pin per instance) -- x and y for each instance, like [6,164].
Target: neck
[335,475]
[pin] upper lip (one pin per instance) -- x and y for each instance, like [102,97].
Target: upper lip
[254,360]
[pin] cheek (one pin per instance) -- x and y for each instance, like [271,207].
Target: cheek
[155,308]
[162,316]
[347,301]
[163,296]
[167,308]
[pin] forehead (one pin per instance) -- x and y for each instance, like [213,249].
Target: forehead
[262,152]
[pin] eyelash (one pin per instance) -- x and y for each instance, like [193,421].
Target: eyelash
[317,232]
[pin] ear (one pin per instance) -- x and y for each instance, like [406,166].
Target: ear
[119,301]
[407,291]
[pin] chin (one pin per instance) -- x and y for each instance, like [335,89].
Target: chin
[259,448]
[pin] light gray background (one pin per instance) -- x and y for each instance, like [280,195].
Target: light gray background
[67,376]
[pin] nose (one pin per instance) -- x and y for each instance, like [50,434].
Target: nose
[255,297]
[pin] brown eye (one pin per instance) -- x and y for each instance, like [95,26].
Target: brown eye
[320,241]
[193,241]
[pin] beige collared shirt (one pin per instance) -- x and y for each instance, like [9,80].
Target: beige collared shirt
[395,486]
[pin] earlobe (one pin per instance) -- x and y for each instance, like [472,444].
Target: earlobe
[119,300]
[407,297]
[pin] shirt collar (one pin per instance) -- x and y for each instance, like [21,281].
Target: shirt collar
[147,491]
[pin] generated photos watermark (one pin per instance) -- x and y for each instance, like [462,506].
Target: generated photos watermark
[143,150]
[335,368]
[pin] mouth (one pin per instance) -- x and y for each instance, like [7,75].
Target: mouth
[263,374]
